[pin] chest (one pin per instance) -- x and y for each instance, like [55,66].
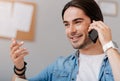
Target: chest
[69,70]
[89,69]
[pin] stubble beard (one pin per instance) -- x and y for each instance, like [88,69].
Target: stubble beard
[85,44]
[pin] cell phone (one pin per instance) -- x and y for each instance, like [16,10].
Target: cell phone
[93,35]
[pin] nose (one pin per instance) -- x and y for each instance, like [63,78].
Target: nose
[73,30]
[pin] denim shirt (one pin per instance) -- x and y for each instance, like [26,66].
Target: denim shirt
[66,69]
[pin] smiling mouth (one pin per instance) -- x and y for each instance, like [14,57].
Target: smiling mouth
[76,38]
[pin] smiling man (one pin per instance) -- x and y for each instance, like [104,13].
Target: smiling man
[92,61]
[76,24]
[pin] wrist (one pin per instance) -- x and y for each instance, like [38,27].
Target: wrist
[20,72]
[20,78]
[21,69]
[110,44]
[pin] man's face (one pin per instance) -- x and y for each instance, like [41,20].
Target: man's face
[76,27]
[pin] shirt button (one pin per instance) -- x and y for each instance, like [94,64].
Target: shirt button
[72,78]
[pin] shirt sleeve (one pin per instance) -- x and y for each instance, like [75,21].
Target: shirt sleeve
[44,75]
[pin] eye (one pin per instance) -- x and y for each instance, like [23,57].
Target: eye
[78,22]
[66,25]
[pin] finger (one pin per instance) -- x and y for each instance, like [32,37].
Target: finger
[93,26]
[14,54]
[96,24]
[20,52]
[14,42]
[103,27]
[16,47]
[90,28]
[100,24]
[21,57]
[18,58]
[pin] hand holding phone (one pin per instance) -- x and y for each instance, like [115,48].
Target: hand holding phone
[93,35]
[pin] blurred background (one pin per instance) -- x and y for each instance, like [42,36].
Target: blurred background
[50,40]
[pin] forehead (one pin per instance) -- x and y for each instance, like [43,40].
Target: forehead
[74,12]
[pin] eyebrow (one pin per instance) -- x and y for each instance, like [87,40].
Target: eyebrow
[74,20]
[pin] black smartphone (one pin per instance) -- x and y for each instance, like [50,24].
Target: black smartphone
[93,35]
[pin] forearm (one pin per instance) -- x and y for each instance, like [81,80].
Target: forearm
[15,76]
[114,59]
[17,54]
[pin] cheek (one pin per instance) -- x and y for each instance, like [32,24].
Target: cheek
[81,29]
[85,29]
[66,32]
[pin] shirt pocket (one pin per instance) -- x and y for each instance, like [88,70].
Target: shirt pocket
[109,75]
[60,76]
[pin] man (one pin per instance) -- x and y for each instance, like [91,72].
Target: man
[93,61]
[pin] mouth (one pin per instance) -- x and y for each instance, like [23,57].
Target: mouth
[76,38]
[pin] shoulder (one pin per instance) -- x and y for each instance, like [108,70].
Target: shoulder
[63,61]
[66,58]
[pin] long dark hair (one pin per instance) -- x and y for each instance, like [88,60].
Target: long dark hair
[90,7]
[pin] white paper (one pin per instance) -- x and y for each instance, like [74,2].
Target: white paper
[14,17]
[7,28]
[22,15]
[5,9]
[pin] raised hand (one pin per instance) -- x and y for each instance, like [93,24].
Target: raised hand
[104,32]
[17,53]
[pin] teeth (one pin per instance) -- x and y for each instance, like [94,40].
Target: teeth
[75,37]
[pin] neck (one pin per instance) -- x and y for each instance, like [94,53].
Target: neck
[92,49]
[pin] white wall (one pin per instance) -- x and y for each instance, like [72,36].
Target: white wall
[50,40]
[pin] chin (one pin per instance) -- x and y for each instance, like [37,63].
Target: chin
[77,46]
[83,45]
